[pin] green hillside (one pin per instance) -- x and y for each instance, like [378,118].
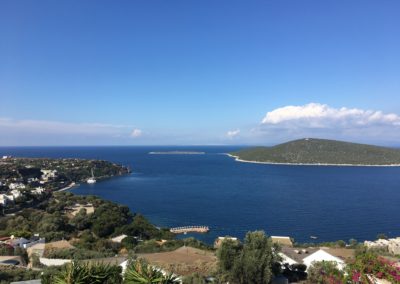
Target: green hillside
[321,151]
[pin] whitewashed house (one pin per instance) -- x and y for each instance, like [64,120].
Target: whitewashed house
[38,190]
[48,174]
[322,255]
[391,245]
[307,256]
[118,239]
[16,185]
[5,198]
[219,240]
[16,193]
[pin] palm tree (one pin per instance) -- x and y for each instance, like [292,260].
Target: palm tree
[140,272]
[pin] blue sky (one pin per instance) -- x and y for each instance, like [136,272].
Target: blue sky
[198,72]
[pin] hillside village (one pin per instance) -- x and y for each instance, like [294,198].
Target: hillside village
[24,182]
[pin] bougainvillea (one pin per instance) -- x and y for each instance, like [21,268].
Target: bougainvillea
[368,265]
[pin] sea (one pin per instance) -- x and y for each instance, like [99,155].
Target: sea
[328,202]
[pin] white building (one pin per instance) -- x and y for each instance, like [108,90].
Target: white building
[322,255]
[4,199]
[30,180]
[394,246]
[38,190]
[390,245]
[48,174]
[118,239]
[378,244]
[307,256]
[16,185]
[16,193]
[219,240]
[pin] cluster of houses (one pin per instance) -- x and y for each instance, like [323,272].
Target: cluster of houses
[291,255]
[391,246]
[11,243]
[16,187]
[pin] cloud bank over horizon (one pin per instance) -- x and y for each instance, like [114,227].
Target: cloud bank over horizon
[323,121]
[44,132]
[278,125]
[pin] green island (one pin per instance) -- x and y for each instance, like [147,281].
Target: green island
[311,151]
[55,236]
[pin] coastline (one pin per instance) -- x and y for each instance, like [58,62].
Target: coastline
[237,159]
[71,185]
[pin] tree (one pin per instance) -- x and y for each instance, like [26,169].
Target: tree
[353,242]
[227,254]
[194,279]
[248,263]
[381,236]
[255,260]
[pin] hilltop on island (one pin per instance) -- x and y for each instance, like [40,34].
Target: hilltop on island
[312,151]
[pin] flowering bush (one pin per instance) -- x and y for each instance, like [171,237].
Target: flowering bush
[325,272]
[370,264]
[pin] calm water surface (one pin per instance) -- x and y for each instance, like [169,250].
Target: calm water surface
[232,198]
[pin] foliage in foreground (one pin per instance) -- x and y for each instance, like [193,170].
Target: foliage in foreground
[137,272]
[368,264]
[322,272]
[363,269]
[83,273]
[10,273]
[140,272]
[250,262]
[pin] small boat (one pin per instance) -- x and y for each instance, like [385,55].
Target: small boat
[92,179]
[313,237]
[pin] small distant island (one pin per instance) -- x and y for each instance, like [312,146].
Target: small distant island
[311,151]
[177,153]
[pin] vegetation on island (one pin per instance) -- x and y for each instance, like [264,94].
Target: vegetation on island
[30,170]
[321,151]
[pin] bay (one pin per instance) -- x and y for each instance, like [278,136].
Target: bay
[230,197]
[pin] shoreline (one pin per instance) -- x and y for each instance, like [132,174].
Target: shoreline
[237,159]
[70,186]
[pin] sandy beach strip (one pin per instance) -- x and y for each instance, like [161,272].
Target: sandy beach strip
[71,185]
[308,164]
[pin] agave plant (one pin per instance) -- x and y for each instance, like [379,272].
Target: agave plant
[140,272]
[85,273]
[73,273]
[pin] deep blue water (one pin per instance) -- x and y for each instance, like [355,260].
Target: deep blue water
[232,198]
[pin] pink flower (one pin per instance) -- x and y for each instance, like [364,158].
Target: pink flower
[356,276]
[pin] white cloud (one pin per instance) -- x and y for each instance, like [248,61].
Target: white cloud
[316,115]
[136,133]
[233,133]
[323,121]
